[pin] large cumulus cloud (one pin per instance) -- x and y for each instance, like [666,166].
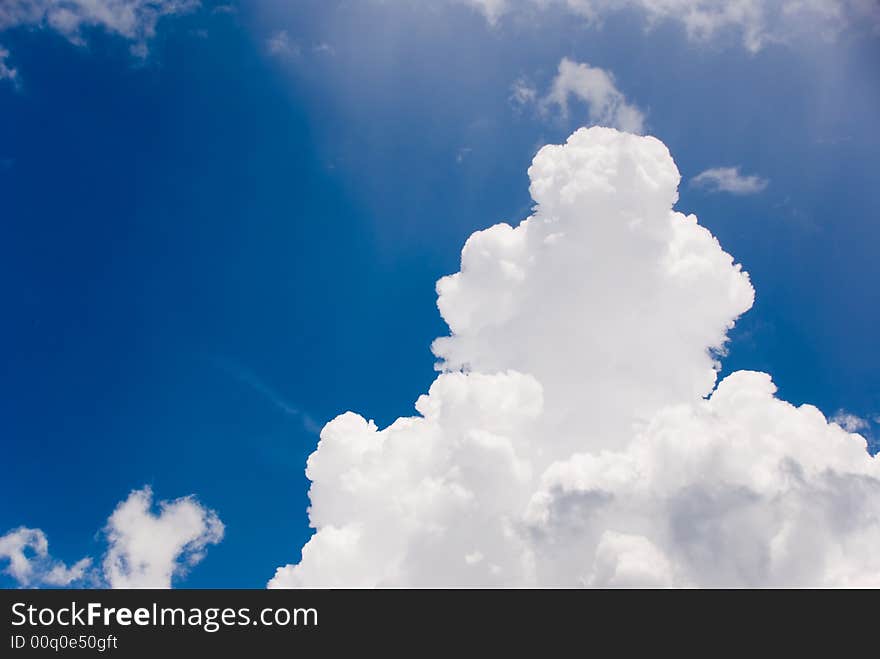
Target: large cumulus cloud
[575,434]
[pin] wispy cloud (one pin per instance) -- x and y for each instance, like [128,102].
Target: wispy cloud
[759,22]
[850,422]
[522,92]
[862,425]
[729,179]
[256,384]
[324,48]
[135,20]
[280,44]
[6,71]
[590,86]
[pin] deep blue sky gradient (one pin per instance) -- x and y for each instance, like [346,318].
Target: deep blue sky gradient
[208,253]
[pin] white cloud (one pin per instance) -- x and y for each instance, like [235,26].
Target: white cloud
[758,22]
[729,179]
[27,551]
[324,48]
[491,9]
[522,92]
[850,422]
[145,550]
[575,435]
[279,43]
[135,20]
[6,71]
[61,575]
[606,105]
[592,86]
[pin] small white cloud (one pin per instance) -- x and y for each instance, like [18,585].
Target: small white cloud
[491,9]
[729,179]
[139,50]
[279,44]
[6,71]
[146,549]
[27,551]
[324,48]
[596,88]
[850,422]
[522,92]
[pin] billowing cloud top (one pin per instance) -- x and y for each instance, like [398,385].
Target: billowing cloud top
[573,436]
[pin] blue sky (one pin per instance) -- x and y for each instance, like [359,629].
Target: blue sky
[211,251]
